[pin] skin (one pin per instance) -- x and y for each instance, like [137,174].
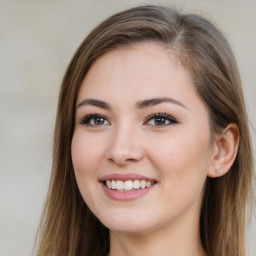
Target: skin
[178,155]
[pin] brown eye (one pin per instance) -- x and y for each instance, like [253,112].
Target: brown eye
[160,120]
[95,120]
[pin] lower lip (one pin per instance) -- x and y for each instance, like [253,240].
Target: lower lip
[125,195]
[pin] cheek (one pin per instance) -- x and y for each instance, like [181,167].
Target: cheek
[86,155]
[86,152]
[182,161]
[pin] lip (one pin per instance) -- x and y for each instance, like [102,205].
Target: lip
[125,176]
[125,195]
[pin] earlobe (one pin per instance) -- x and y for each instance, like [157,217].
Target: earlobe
[226,147]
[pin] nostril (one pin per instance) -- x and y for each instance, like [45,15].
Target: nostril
[124,148]
[124,158]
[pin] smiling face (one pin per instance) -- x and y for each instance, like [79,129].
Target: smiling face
[141,147]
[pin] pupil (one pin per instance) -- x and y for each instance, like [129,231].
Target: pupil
[160,120]
[99,120]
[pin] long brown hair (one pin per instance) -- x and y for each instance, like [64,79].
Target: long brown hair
[68,227]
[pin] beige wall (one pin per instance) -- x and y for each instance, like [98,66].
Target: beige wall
[37,40]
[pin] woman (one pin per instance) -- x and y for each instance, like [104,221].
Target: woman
[152,152]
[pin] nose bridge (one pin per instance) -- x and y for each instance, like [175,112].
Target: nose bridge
[125,144]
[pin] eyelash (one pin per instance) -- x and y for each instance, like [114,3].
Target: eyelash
[86,119]
[165,117]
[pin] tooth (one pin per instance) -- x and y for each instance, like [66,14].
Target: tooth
[143,184]
[119,185]
[128,185]
[108,183]
[136,184]
[113,185]
[148,184]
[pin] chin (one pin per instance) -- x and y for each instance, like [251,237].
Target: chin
[131,229]
[125,222]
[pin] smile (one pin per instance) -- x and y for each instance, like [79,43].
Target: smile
[128,185]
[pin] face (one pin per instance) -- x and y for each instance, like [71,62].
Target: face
[141,146]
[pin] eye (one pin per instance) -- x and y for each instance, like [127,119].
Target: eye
[160,119]
[94,120]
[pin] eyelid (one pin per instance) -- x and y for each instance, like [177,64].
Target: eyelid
[86,118]
[168,117]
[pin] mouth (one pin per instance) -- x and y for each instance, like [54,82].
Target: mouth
[128,185]
[125,187]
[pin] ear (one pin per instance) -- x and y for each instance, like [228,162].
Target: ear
[224,151]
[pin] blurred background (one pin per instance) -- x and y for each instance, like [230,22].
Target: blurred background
[37,41]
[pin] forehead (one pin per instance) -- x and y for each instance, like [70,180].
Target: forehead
[146,67]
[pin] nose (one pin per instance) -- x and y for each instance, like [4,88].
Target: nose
[125,146]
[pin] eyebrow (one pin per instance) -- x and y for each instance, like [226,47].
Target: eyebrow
[156,101]
[94,102]
[140,104]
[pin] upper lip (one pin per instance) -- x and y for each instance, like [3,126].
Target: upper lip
[124,177]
